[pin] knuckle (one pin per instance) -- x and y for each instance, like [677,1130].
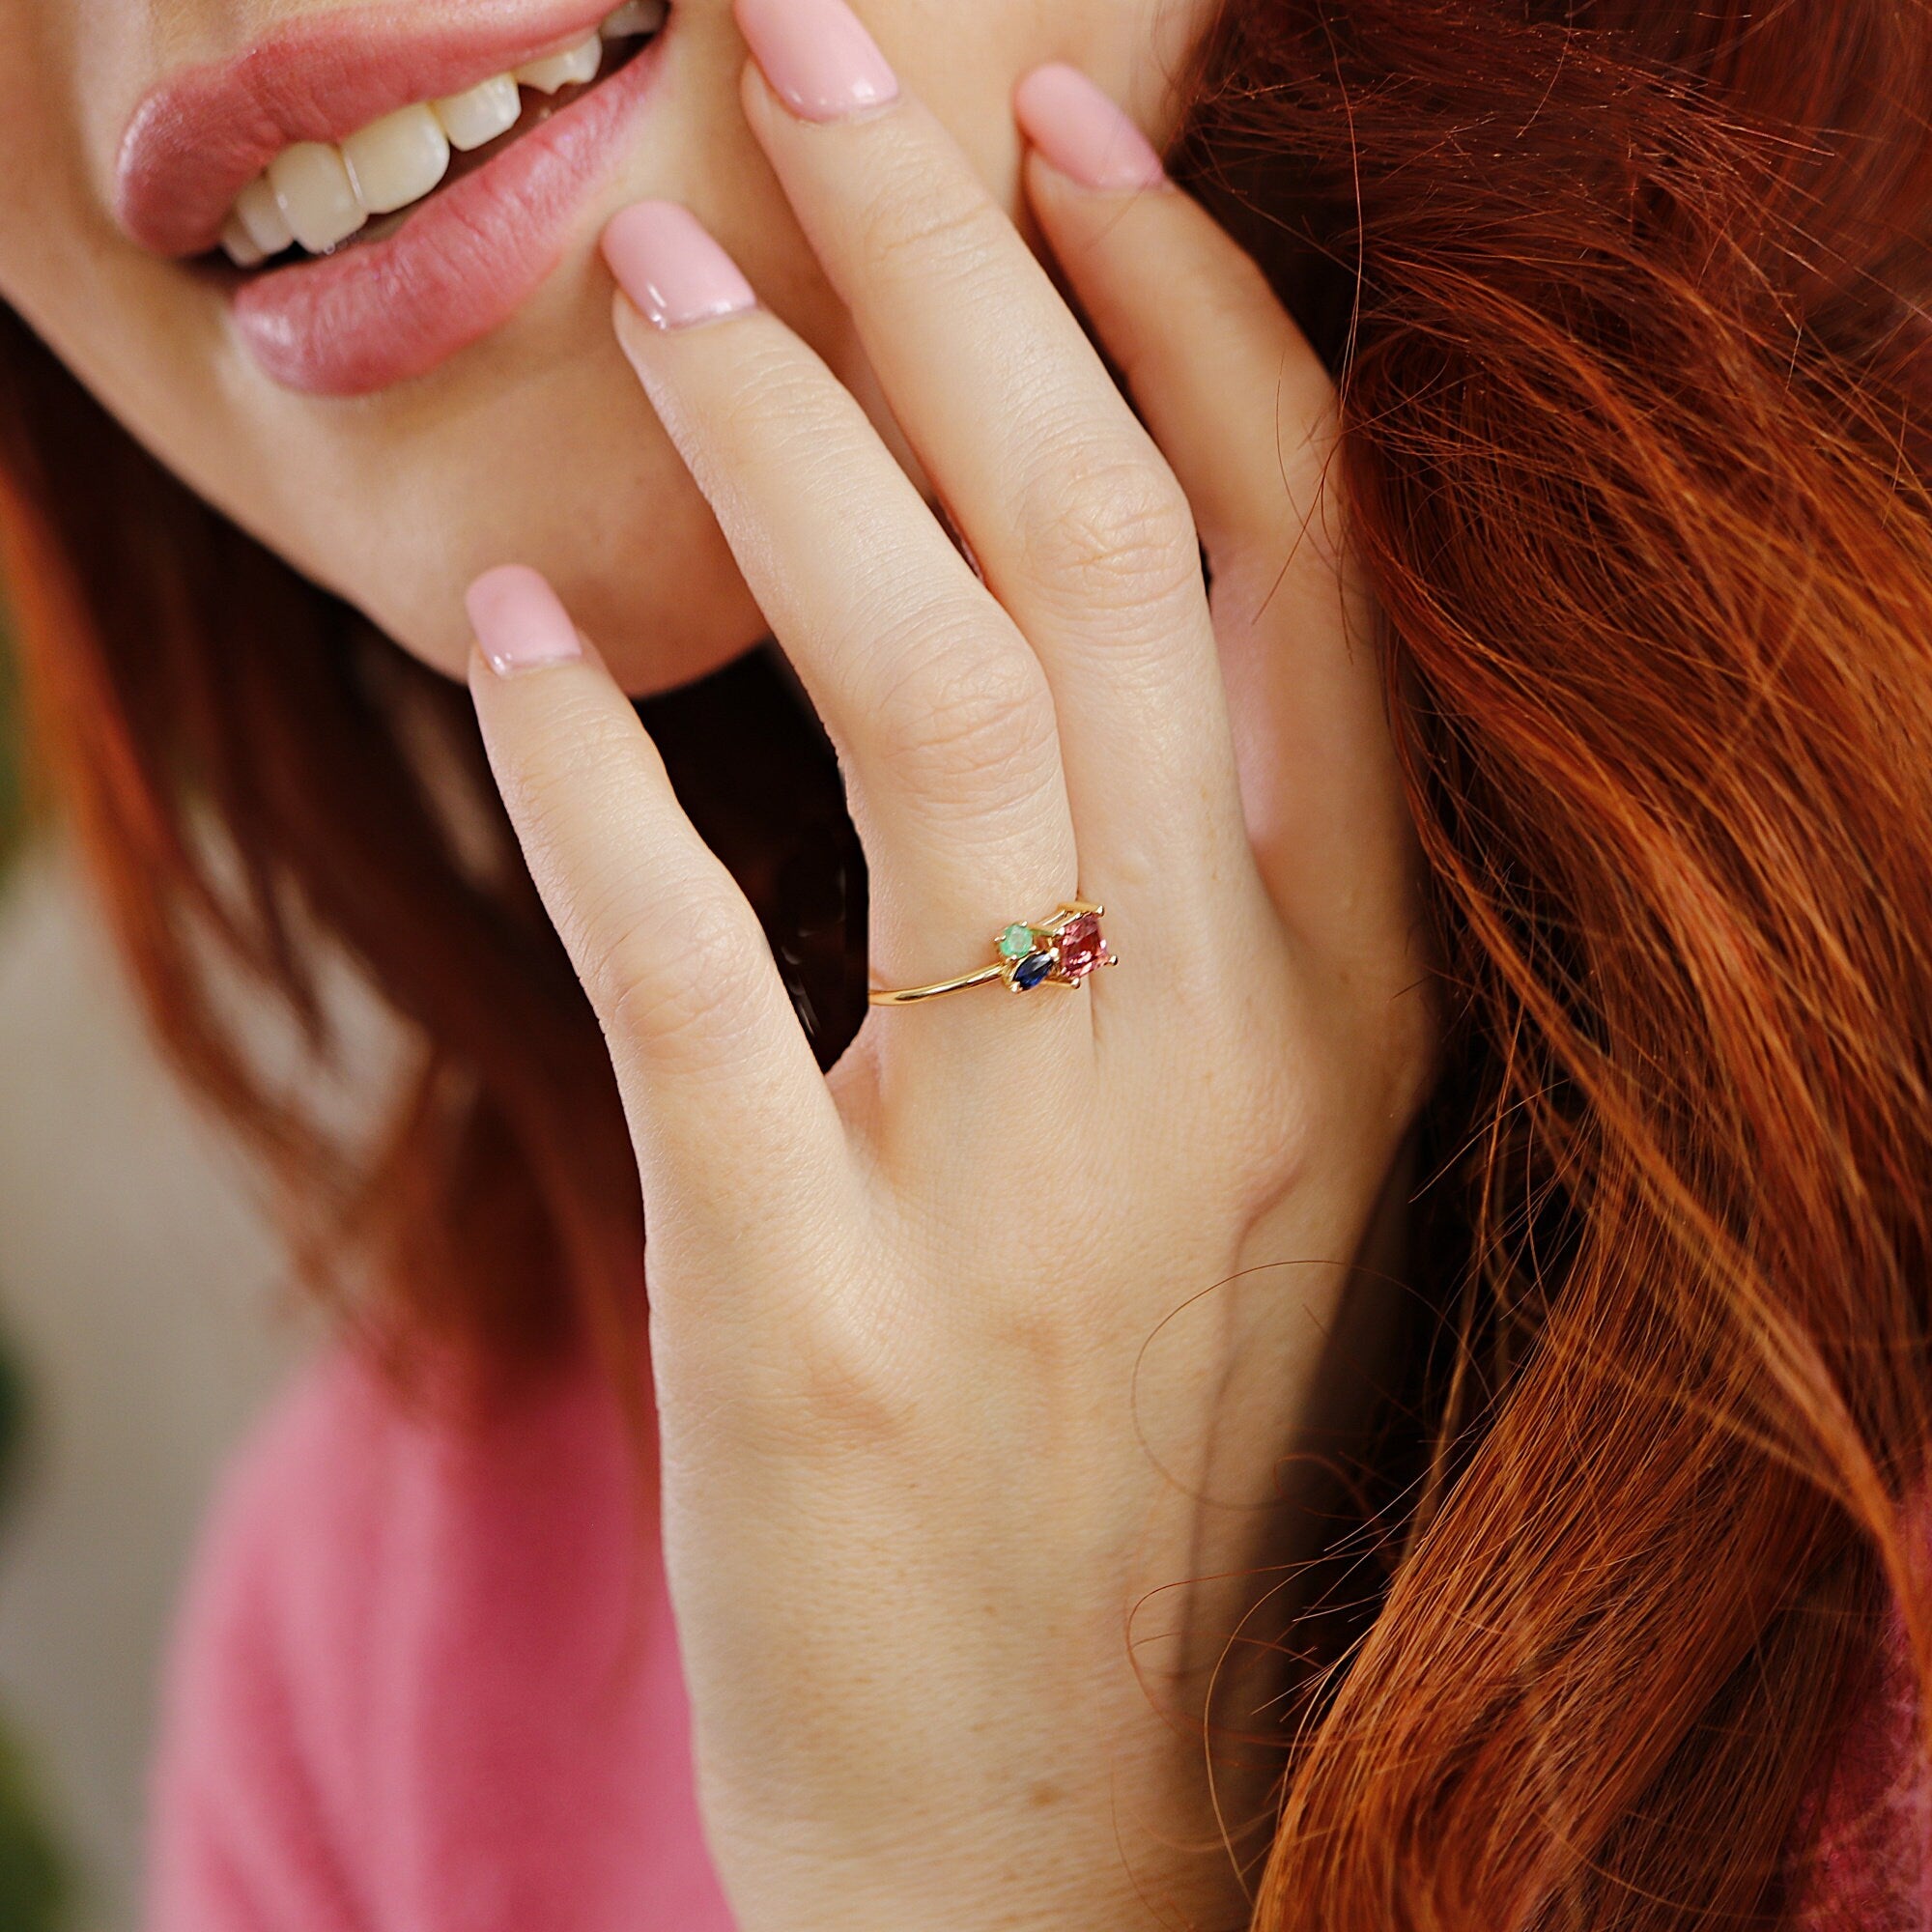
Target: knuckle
[582,748]
[1051,1340]
[927,230]
[972,720]
[840,1391]
[776,395]
[679,982]
[851,1401]
[1115,529]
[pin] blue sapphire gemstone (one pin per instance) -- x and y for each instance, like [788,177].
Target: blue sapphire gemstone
[1031,970]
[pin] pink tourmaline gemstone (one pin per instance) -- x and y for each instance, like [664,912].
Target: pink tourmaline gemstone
[1081,947]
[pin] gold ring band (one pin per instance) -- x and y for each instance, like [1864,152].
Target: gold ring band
[1065,950]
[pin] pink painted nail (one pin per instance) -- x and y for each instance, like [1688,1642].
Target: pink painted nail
[519,622]
[674,272]
[819,60]
[1083,133]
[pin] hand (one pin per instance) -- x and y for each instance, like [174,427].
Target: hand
[916,1471]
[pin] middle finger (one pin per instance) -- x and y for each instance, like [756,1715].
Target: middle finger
[1075,518]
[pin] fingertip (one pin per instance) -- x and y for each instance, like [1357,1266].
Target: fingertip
[476,667]
[1073,207]
[671,268]
[1083,133]
[519,622]
[761,105]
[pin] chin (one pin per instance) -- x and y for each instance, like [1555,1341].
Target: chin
[654,644]
[655,587]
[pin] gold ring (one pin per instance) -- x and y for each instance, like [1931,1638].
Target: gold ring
[1064,950]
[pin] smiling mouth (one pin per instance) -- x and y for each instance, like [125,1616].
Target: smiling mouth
[318,197]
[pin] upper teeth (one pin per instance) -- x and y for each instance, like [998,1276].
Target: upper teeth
[318,193]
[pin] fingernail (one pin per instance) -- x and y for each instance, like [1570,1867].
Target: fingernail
[674,272]
[519,622]
[1082,132]
[821,63]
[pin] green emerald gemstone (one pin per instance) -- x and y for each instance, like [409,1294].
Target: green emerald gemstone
[1016,941]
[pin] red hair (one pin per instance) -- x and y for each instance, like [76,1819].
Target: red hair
[1626,301]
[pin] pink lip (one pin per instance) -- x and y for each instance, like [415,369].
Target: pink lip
[463,262]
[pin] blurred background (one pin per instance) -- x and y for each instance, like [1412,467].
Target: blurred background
[144,1319]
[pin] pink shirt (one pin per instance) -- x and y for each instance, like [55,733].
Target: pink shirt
[427,1682]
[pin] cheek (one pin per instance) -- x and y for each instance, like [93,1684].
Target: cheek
[966,60]
[70,72]
[44,208]
[963,62]
[130,326]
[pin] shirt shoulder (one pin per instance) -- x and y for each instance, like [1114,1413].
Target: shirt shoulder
[424,1675]
[1865,1828]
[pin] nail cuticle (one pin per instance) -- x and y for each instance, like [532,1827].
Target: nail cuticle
[817,57]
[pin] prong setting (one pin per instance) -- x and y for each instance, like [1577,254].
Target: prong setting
[1065,950]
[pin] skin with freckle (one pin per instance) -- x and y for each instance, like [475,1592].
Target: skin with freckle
[534,442]
[1408,1403]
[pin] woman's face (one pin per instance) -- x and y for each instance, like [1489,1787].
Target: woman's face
[442,392]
